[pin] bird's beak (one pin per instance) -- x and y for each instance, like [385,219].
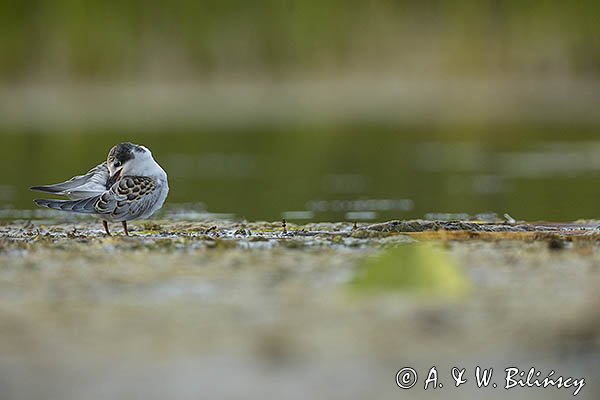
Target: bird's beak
[114,178]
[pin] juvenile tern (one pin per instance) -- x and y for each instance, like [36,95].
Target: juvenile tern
[129,185]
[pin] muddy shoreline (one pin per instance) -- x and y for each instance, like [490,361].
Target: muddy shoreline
[184,307]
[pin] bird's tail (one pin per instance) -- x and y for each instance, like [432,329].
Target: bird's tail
[48,188]
[59,188]
[84,206]
[81,186]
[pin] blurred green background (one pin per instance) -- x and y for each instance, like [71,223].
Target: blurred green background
[78,39]
[319,110]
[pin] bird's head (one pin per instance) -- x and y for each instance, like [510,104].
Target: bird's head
[128,159]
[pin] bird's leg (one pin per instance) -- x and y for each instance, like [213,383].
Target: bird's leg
[105,224]
[125,227]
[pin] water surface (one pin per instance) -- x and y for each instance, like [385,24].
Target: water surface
[338,173]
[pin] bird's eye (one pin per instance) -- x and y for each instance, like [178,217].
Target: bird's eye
[117,164]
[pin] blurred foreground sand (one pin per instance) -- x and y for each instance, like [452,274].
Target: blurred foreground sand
[185,311]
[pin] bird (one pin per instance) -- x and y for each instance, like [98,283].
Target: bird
[129,185]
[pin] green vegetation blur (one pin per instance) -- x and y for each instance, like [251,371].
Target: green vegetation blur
[416,268]
[110,39]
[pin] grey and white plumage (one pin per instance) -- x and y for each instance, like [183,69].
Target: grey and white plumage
[129,185]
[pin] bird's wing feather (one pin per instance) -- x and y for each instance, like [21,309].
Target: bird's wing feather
[82,186]
[127,199]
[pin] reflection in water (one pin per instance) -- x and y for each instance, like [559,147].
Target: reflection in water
[298,215]
[487,217]
[333,174]
[192,212]
[552,159]
[360,205]
[360,215]
[363,209]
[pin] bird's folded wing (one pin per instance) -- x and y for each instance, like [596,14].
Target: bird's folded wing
[80,187]
[129,198]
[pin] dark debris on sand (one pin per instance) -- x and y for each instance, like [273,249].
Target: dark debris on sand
[423,226]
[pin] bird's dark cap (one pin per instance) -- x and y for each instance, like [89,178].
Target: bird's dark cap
[124,152]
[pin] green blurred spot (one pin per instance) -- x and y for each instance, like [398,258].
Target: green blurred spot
[417,267]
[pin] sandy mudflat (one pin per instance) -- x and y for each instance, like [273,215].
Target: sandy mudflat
[228,310]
